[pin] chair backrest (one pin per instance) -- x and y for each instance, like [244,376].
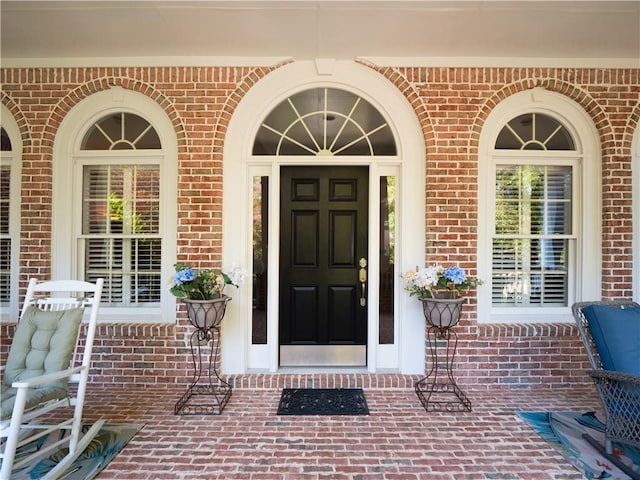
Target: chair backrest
[585,333]
[58,295]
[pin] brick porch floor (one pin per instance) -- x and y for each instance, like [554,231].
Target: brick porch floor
[398,440]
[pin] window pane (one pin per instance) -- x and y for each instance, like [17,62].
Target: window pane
[145,271]
[121,199]
[533,200]
[260,238]
[5,183]
[530,272]
[5,141]
[387,259]
[5,239]
[5,270]
[534,131]
[120,215]
[121,131]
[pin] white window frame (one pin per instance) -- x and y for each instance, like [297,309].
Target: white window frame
[69,160]
[13,158]
[585,264]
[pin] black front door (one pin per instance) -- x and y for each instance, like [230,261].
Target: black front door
[323,255]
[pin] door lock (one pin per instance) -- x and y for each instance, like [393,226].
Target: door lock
[362,275]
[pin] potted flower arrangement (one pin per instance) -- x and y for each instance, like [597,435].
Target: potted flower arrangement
[202,291]
[439,289]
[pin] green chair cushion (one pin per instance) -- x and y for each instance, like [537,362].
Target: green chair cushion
[43,343]
[35,396]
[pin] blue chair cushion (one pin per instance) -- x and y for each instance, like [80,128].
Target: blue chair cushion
[616,334]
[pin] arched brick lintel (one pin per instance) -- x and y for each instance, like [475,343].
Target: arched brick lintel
[18,116]
[230,105]
[413,97]
[87,89]
[580,96]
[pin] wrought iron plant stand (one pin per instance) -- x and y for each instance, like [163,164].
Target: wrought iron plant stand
[208,394]
[438,390]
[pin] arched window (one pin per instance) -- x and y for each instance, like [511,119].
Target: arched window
[120,234]
[10,168]
[533,237]
[539,209]
[123,162]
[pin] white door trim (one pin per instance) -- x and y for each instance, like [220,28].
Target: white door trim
[238,355]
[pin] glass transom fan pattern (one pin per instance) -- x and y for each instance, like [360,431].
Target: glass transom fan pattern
[325,122]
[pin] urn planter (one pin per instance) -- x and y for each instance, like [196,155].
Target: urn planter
[442,312]
[206,314]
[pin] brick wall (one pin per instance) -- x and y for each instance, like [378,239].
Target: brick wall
[452,105]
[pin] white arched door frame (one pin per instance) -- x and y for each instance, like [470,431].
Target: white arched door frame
[407,353]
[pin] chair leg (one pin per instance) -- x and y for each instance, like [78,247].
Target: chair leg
[608,446]
[11,443]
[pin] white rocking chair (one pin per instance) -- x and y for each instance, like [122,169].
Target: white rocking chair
[45,359]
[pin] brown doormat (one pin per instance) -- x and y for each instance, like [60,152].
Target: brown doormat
[323,401]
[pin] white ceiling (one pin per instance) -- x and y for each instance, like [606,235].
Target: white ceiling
[589,33]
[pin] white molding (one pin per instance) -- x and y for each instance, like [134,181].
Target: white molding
[186,61]
[501,62]
[230,61]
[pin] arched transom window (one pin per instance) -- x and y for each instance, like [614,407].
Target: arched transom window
[324,121]
[121,131]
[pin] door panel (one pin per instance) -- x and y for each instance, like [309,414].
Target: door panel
[304,305]
[305,239]
[324,222]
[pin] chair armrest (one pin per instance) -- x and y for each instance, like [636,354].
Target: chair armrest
[49,377]
[615,376]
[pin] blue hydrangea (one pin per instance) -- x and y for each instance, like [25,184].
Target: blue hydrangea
[185,275]
[455,274]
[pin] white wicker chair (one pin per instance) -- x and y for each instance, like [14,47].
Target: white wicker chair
[45,359]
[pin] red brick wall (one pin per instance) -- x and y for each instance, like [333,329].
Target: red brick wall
[452,105]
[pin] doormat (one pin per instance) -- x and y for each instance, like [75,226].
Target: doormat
[323,401]
[108,442]
[564,431]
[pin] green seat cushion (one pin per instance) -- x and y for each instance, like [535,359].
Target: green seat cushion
[43,343]
[35,396]
[616,334]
